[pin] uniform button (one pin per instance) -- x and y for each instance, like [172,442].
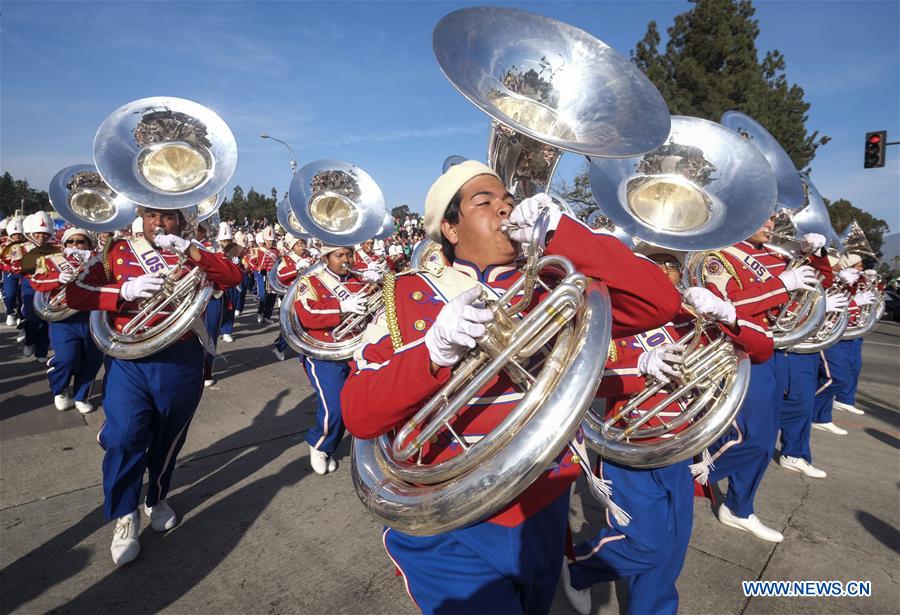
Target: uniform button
[434,439]
[622,343]
[119,261]
[119,277]
[417,296]
[419,325]
[576,459]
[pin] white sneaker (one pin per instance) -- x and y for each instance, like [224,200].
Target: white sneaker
[237,313]
[63,402]
[41,359]
[209,383]
[830,427]
[750,524]
[799,464]
[84,407]
[28,351]
[125,546]
[10,320]
[227,338]
[580,599]
[318,460]
[279,354]
[259,319]
[21,337]
[847,407]
[162,517]
[332,464]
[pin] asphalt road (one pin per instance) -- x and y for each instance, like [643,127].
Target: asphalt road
[261,533]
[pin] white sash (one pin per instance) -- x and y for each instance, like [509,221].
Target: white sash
[148,258]
[334,285]
[648,340]
[61,263]
[761,271]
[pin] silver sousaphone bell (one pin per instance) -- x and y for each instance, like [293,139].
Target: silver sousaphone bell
[704,188]
[164,152]
[288,220]
[548,87]
[79,194]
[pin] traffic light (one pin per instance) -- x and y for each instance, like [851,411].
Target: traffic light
[875,142]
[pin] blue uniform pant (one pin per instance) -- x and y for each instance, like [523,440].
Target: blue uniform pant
[743,454]
[232,297]
[798,404]
[12,293]
[37,333]
[149,404]
[485,568]
[76,356]
[266,300]
[650,550]
[246,283]
[212,318]
[281,343]
[327,378]
[841,366]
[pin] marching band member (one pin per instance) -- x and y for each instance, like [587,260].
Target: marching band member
[649,550]
[824,400]
[76,359]
[367,258]
[137,227]
[265,260]
[38,231]
[756,281]
[12,276]
[249,263]
[296,258]
[797,405]
[841,362]
[509,562]
[149,402]
[214,314]
[322,302]
[233,296]
[244,241]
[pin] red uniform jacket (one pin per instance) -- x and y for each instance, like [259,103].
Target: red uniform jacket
[266,258]
[318,303]
[98,287]
[747,276]
[387,385]
[12,261]
[290,266]
[367,259]
[46,276]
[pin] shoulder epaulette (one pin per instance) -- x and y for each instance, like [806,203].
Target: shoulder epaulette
[721,258]
[107,266]
[388,288]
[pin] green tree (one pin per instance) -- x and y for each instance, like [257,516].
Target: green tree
[401,211]
[842,213]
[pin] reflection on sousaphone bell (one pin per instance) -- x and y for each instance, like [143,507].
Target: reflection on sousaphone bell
[548,87]
[83,199]
[704,188]
[814,218]
[164,152]
[337,202]
[209,207]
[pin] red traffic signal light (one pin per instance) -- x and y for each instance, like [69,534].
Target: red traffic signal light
[874,154]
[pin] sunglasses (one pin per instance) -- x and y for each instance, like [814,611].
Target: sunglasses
[80,242]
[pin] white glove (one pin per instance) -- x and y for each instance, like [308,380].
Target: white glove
[173,243]
[80,254]
[864,298]
[662,362]
[812,242]
[140,287]
[65,277]
[354,304]
[802,277]
[371,275]
[836,303]
[707,304]
[525,214]
[457,326]
[849,276]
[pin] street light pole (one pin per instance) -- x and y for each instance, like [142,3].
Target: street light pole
[290,149]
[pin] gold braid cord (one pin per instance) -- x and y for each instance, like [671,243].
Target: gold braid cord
[613,353]
[727,265]
[107,266]
[388,287]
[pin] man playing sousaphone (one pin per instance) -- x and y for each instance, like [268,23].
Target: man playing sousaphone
[649,550]
[510,561]
[322,302]
[149,402]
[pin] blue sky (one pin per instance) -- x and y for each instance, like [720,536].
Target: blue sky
[359,82]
